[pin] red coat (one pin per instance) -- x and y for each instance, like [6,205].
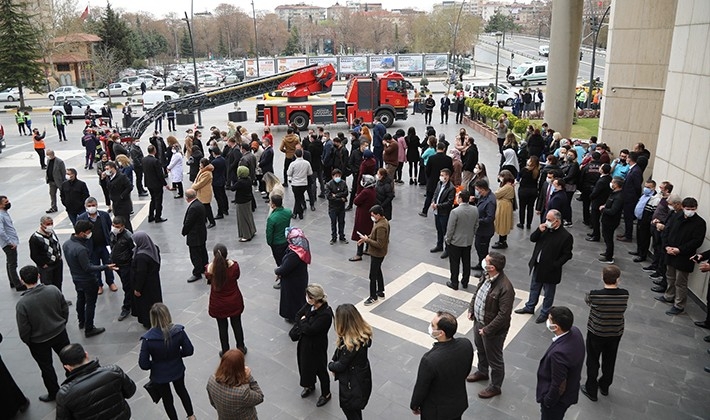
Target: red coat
[364,200]
[367,167]
[228,301]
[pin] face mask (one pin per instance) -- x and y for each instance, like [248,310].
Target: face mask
[115,230]
[622,160]
[500,180]
[378,176]
[476,170]
[477,194]
[550,326]
[49,229]
[548,224]
[570,157]
[67,177]
[7,206]
[337,179]
[92,210]
[646,190]
[562,156]
[443,179]
[107,173]
[611,185]
[484,265]
[689,213]
[89,235]
[430,330]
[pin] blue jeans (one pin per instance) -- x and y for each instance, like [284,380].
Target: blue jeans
[101,256]
[535,288]
[440,222]
[337,223]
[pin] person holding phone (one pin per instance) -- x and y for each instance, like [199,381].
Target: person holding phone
[378,241]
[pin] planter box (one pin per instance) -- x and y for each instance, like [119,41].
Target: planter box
[237,116]
[482,129]
[185,119]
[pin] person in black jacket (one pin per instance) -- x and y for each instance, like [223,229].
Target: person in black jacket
[445,104]
[136,154]
[486,205]
[597,198]
[315,147]
[122,255]
[558,199]
[336,191]
[350,364]
[92,392]
[155,182]
[119,189]
[219,180]
[440,388]
[195,231]
[527,191]
[314,320]
[536,143]
[73,193]
[442,204]
[384,190]
[553,248]
[633,187]
[588,177]
[266,163]
[353,169]
[611,217]
[233,159]
[440,160]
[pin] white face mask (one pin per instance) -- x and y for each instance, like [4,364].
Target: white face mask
[689,213]
[378,176]
[476,170]
[107,173]
[92,210]
[548,224]
[115,230]
[373,218]
[67,177]
[49,229]
[443,179]
[89,235]
[484,265]
[611,185]
[550,326]
[430,330]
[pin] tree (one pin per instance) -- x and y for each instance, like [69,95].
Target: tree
[185,45]
[116,35]
[500,22]
[20,57]
[105,65]
[293,43]
[221,47]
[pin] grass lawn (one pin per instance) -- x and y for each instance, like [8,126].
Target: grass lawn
[585,127]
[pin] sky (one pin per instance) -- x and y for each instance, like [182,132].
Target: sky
[159,7]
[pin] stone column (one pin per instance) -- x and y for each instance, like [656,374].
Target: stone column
[563,64]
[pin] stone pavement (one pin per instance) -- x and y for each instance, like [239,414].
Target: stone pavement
[659,371]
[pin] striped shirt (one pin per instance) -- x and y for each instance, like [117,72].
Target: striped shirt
[606,311]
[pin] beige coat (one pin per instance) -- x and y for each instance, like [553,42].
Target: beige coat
[504,209]
[203,184]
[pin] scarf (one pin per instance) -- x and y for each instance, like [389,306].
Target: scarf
[145,245]
[298,243]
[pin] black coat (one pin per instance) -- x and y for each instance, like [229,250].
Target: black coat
[294,279]
[352,371]
[312,350]
[93,392]
[589,176]
[146,280]
[219,174]
[153,173]
[193,225]
[536,144]
[266,160]
[434,165]
[440,389]
[560,371]
[613,209]
[446,202]
[601,191]
[556,247]
[686,234]
[73,194]
[633,186]
[316,149]
[558,201]
[384,191]
[119,190]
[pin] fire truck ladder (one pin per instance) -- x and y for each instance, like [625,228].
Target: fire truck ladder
[212,98]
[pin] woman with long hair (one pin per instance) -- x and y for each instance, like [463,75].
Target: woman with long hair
[350,363]
[162,350]
[401,154]
[314,320]
[273,186]
[145,272]
[412,141]
[126,166]
[245,205]
[528,191]
[232,390]
[479,173]
[103,179]
[226,300]
[384,189]
[293,273]
[505,195]
[364,200]
[203,188]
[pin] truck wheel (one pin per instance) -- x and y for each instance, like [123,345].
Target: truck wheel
[386,117]
[300,119]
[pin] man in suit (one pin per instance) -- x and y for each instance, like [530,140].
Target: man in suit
[560,368]
[553,248]
[119,190]
[433,167]
[558,199]
[444,108]
[546,190]
[611,218]
[73,193]
[440,389]
[442,204]
[195,231]
[219,180]
[460,230]
[55,178]
[490,309]
[633,187]
[486,205]
[100,240]
[598,196]
[155,182]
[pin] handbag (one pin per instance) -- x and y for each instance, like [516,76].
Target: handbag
[295,332]
[152,389]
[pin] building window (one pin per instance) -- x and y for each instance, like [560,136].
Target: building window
[63,67]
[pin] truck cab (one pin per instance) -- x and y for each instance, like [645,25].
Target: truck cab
[383,96]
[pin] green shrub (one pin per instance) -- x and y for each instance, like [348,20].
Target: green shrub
[521,125]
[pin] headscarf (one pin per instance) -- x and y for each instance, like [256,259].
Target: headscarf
[242,172]
[145,245]
[298,243]
[367,154]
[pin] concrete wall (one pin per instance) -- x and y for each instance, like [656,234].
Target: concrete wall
[638,52]
[683,152]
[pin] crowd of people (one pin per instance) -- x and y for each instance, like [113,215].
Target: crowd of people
[539,175]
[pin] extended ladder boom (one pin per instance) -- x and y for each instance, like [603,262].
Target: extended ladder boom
[308,77]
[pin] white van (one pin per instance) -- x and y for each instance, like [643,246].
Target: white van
[529,72]
[505,96]
[543,50]
[152,98]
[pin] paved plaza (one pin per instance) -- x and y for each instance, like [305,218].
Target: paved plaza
[659,372]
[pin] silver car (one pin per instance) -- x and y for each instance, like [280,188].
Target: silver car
[117,89]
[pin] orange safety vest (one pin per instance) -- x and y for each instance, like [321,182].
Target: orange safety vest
[39,144]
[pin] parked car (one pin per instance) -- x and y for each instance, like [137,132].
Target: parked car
[2,138]
[10,94]
[234,76]
[209,80]
[78,107]
[181,86]
[505,95]
[153,97]
[122,89]
[544,50]
[65,90]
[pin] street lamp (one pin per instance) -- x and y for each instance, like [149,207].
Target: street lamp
[194,67]
[596,28]
[499,37]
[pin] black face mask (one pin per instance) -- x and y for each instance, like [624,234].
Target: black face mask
[7,206]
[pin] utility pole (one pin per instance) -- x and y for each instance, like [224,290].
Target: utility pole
[596,28]
[256,45]
[194,65]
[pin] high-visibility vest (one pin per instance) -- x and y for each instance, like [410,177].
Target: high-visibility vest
[19,118]
[58,120]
